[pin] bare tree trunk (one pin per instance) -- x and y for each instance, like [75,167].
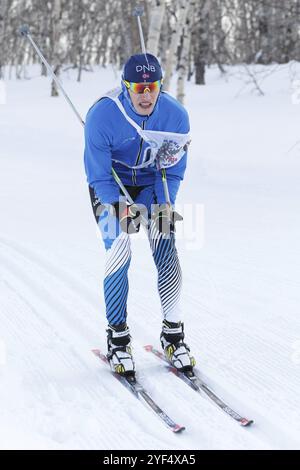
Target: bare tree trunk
[217,35]
[3,21]
[264,19]
[202,44]
[156,21]
[184,58]
[44,33]
[164,41]
[176,35]
[127,37]
[56,30]
[54,90]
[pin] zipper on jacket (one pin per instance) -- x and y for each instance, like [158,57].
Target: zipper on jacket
[134,181]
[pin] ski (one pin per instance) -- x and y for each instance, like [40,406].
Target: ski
[196,383]
[135,387]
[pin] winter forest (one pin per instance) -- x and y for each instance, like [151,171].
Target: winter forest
[187,35]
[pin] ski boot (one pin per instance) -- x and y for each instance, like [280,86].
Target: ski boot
[176,351]
[119,353]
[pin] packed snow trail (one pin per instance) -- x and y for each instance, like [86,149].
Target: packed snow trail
[241,288]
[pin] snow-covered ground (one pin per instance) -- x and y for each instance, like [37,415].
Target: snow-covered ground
[240,259]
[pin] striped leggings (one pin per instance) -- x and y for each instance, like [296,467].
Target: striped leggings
[118,257]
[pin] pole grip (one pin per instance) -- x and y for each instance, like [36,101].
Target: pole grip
[138,11]
[24,30]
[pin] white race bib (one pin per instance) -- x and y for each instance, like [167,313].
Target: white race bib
[165,148]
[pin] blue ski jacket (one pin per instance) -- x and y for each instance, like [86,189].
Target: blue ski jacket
[108,135]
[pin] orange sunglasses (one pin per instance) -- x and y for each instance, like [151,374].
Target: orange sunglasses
[140,88]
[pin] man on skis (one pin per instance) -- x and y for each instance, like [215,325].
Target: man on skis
[119,138]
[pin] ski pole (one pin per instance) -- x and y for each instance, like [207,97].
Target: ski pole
[24,31]
[174,216]
[138,12]
[165,185]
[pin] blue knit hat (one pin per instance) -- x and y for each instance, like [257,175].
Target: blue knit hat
[142,68]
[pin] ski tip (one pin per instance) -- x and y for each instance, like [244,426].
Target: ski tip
[178,428]
[148,347]
[246,422]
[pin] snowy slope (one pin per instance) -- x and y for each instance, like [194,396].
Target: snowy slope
[241,266]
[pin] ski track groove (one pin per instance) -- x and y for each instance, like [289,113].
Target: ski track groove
[21,277]
[26,258]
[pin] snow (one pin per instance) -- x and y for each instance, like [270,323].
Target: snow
[240,259]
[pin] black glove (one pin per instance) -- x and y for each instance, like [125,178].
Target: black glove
[164,218]
[129,216]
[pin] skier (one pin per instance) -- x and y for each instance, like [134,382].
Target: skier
[116,140]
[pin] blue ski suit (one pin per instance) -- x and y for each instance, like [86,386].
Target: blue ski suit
[108,137]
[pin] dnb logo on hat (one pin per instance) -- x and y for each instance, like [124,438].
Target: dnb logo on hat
[142,67]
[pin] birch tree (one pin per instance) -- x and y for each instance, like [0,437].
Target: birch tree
[3,26]
[81,34]
[55,36]
[184,56]
[155,25]
[201,47]
[176,35]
